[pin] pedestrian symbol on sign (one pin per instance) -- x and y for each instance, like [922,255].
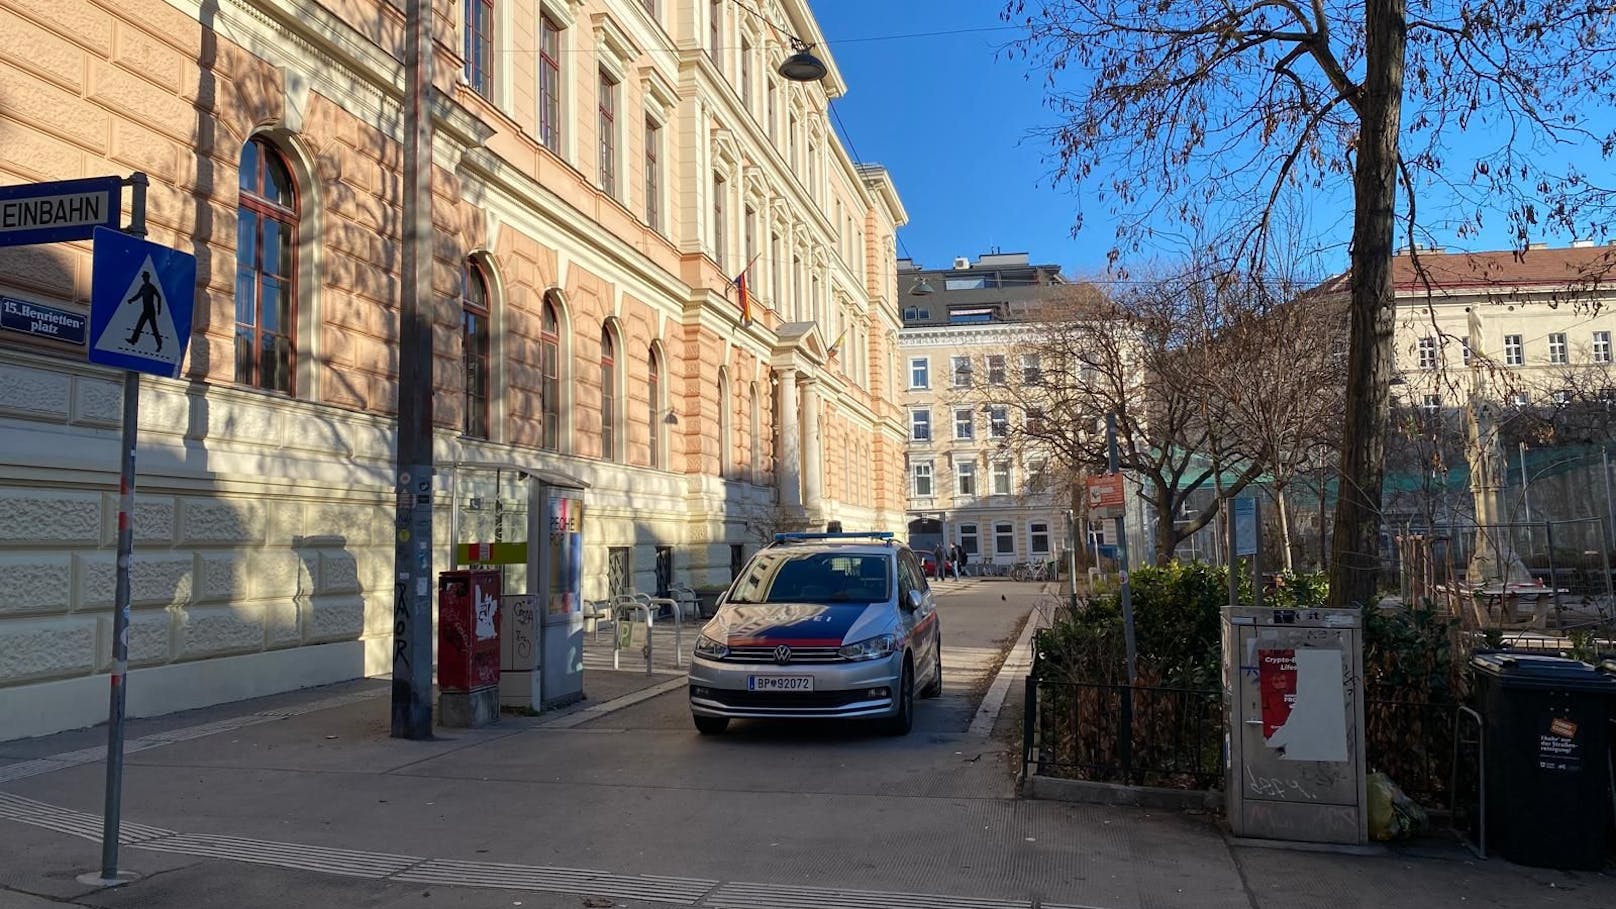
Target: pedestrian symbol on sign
[139,329]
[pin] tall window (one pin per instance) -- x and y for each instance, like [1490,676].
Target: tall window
[748,235]
[962,372]
[964,424]
[1601,347]
[769,110]
[608,395]
[480,46]
[550,378]
[1514,352]
[1427,353]
[1004,539]
[919,372]
[1031,372]
[715,31]
[756,412]
[607,100]
[774,272]
[550,84]
[654,406]
[653,174]
[746,74]
[998,421]
[923,479]
[1557,347]
[968,542]
[726,433]
[1038,538]
[996,369]
[474,313]
[965,478]
[1001,478]
[719,189]
[266,269]
[920,425]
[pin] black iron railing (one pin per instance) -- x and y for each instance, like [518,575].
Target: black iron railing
[1411,742]
[1143,735]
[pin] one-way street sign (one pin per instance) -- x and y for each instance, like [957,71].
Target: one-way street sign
[53,212]
[141,296]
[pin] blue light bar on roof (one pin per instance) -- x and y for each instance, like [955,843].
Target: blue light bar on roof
[846,535]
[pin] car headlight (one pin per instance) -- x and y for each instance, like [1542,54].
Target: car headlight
[870,648]
[711,649]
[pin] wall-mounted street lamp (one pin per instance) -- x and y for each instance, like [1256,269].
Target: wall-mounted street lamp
[921,288]
[671,419]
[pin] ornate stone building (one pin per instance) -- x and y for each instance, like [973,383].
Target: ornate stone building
[603,170]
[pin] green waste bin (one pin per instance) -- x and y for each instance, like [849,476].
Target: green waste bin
[1546,741]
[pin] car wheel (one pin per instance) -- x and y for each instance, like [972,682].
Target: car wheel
[901,722]
[710,725]
[935,686]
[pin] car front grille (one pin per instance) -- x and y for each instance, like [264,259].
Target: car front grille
[765,654]
[787,700]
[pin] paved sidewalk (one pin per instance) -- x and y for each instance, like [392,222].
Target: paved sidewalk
[303,799]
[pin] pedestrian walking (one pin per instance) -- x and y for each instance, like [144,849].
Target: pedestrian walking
[954,559]
[964,558]
[940,553]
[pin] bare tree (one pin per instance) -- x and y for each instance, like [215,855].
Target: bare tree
[1141,355]
[1211,110]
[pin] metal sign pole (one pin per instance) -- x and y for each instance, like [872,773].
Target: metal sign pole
[111,814]
[1122,559]
[412,552]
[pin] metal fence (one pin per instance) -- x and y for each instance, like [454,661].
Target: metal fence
[1173,737]
[1140,735]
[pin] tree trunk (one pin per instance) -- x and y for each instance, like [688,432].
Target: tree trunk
[1284,530]
[1167,535]
[1355,556]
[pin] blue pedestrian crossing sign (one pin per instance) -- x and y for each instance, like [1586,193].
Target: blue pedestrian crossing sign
[141,298]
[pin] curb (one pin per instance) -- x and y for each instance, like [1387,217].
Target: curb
[1050,788]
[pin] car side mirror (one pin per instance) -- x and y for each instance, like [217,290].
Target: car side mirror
[912,600]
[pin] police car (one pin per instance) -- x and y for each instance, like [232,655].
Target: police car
[820,625]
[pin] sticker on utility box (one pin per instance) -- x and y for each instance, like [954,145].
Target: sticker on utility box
[1303,703]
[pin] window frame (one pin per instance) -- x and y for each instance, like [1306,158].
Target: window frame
[606,125]
[1559,350]
[964,430]
[1002,531]
[1514,351]
[610,388]
[1001,478]
[1033,534]
[481,69]
[653,174]
[998,421]
[922,471]
[1601,347]
[550,84]
[997,366]
[264,209]
[965,479]
[1425,352]
[919,367]
[475,422]
[920,424]
[960,371]
[550,376]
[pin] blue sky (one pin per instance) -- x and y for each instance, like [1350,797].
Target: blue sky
[949,116]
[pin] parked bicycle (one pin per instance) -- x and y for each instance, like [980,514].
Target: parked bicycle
[1029,571]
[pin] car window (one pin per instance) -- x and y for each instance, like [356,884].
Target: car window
[914,578]
[787,576]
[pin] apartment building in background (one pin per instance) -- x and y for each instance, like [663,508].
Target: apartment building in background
[962,327]
[602,173]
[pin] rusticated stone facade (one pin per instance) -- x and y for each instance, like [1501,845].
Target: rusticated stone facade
[263,522]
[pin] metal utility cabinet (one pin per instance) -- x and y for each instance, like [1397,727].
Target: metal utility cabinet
[1293,682]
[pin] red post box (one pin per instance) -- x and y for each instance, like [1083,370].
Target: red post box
[468,630]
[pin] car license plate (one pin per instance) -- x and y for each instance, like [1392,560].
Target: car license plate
[780,683]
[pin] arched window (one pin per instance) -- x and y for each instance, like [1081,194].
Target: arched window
[726,433]
[654,407]
[266,269]
[757,434]
[474,334]
[608,395]
[550,377]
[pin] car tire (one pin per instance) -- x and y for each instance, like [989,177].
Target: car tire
[904,720]
[710,725]
[934,687]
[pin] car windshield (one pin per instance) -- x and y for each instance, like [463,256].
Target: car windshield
[784,576]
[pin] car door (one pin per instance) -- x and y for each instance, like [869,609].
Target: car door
[919,624]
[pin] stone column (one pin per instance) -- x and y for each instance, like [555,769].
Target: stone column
[813,487]
[788,467]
